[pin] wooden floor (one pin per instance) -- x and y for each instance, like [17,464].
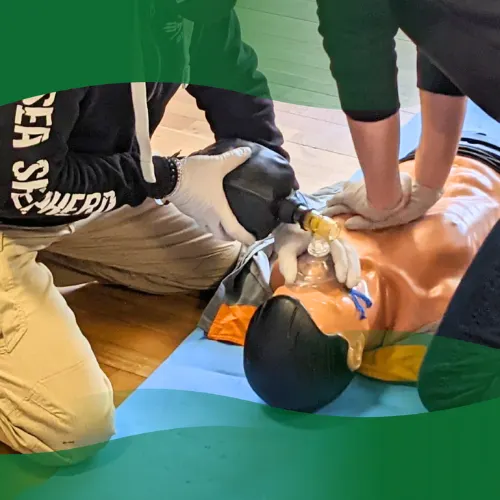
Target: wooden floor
[132,333]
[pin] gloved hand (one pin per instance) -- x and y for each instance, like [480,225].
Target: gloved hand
[200,194]
[352,199]
[254,190]
[421,200]
[291,241]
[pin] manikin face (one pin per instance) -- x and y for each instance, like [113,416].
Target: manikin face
[329,305]
[304,344]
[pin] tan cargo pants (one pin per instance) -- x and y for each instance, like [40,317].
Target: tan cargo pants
[53,395]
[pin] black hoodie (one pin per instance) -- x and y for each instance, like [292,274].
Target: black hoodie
[69,154]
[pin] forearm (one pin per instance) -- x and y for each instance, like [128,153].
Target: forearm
[377,148]
[358,37]
[442,122]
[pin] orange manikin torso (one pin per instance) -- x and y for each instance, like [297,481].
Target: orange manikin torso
[410,272]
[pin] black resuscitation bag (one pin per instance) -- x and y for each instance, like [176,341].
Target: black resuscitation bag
[255,189]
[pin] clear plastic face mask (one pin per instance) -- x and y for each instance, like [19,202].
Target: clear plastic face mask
[316,267]
[318,289]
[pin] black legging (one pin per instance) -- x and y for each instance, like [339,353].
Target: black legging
[462,364]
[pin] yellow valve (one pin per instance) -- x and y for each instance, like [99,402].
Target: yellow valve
[321,226]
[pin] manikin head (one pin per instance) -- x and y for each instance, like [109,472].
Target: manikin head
[298,353]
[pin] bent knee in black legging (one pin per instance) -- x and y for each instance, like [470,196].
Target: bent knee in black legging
[462,365]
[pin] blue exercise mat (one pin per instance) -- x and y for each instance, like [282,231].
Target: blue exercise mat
[204,366]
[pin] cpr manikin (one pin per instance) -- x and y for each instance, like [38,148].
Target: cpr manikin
[303,346]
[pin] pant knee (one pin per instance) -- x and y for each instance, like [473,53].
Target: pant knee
[61,423]
[82,432]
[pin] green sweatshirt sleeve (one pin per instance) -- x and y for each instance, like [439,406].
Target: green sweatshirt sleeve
[359,38]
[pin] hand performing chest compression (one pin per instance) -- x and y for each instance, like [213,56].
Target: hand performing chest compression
[352,199]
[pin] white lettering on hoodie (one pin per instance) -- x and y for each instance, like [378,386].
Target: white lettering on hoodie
[32,126]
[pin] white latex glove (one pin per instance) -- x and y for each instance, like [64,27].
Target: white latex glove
[291,241]
[421,200]
[200,193]
[352,199]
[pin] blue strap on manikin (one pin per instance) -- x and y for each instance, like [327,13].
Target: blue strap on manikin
[356,298]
